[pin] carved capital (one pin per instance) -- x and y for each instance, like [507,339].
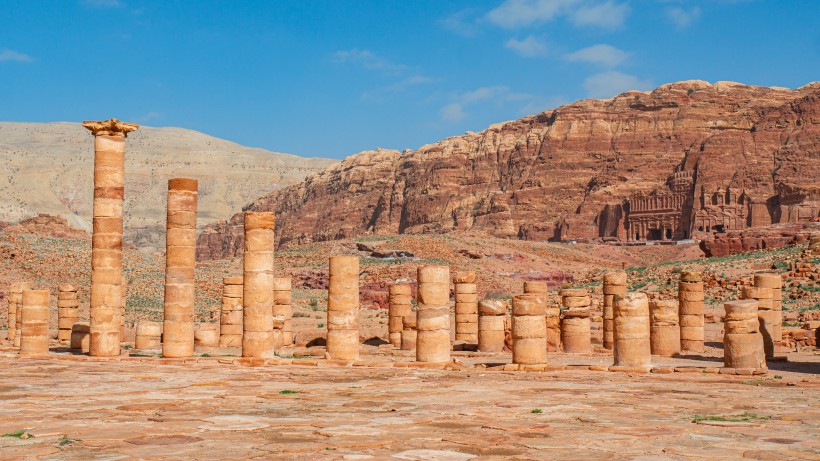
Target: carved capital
[110,127]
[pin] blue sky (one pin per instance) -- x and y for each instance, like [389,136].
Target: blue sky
[331,78]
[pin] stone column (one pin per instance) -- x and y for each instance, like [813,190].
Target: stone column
[180,262]
[614,284]
[690,297]
[742,342]
[409,332]
[68,312]
[16,306]
[631,332]
[466,298]
[148,335]
[257,287]
[400,306]
[491,332]
[343,308]
[81,337]
[664,332]
[529,329]
[283,308]
[206,335]
[230,317]
[575,326]
[34,329]
[433,316]
[106,244]
[775,282]
[765,315]
[553,316]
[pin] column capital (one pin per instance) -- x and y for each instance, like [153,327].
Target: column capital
[110,127]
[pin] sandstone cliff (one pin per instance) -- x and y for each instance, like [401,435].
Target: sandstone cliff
[565,173]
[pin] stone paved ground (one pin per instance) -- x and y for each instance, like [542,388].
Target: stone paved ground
[131,410]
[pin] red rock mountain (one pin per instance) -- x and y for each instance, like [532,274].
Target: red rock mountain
[739,156]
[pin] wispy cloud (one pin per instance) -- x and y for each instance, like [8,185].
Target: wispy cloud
[612,83]
[499,95]
[398,87]
[681,17]
[103,3]
[512,14]
[608,15]
[520,13]
[368,60]
[602,54]
[529,47]
[462,22]
[7,55]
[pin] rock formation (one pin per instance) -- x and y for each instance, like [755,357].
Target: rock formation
[573,173]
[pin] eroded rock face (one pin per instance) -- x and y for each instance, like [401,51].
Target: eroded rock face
[769,237]
[47,226]
[565,173]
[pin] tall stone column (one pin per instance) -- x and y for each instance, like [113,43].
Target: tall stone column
[68,312]
[34,331]
[632,348]
[16,310]
[180,263]
[257,296]
[529,329]
[106,241]
[433,316]
[575,327]
[690,297]
[283,308]
[230,318]
[466,298]
[614,284]
[343,308]
[400,306]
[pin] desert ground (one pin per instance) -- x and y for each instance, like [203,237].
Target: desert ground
[300,405]
[71,407]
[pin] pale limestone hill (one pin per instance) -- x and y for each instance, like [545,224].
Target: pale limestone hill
[48,168]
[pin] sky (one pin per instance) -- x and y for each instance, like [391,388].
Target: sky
[332,78]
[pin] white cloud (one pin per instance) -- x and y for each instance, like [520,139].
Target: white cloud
[611,83]
[368,60]
[681,17]
[529,47]
[602,54]
[517,13]
[7,55]
[453,112]
[609,15]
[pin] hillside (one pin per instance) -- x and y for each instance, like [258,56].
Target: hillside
[49,169]
[702,157]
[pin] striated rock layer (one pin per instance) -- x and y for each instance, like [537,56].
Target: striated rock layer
[569,173]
